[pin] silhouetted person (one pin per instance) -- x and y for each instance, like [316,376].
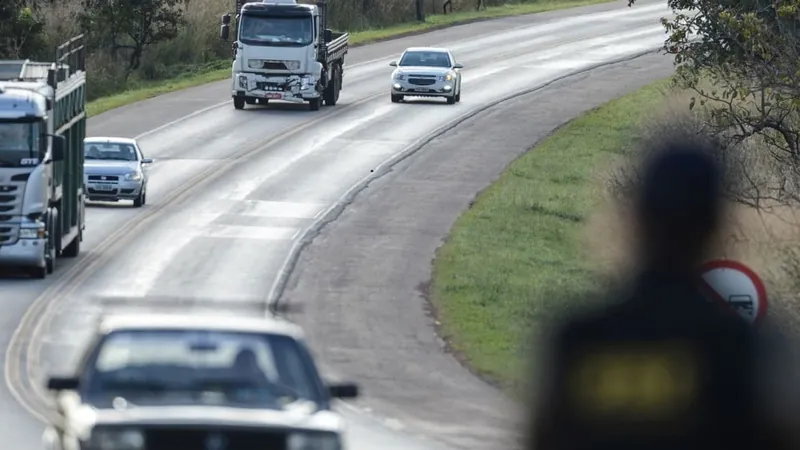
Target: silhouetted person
[659,366]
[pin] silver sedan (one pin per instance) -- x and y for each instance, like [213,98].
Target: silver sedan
[426,72]
[115,169]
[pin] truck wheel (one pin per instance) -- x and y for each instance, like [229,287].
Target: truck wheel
[314,104]
[74,247]
[332,91]
[396,98]
[238,102]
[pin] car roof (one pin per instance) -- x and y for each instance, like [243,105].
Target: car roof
[427,49]
[193,322]
[98,139]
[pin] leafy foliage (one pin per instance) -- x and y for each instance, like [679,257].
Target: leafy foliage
[741,60]
[21,25]
[132,26]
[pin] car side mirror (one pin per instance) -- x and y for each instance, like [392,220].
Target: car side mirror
[59,146]
[343,390]
[458,66]
[328,35]
[393,63]
[63,383]
[147,161]
[224,32]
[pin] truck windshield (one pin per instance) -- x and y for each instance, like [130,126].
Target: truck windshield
[19,143]
[276,31]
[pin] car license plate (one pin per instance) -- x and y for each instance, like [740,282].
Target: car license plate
[421,89]
[104,187]
[274,95]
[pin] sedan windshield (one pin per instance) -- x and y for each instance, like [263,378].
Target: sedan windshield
[179,367]
[19,141]
[109,150]
[257,30]
[425,59]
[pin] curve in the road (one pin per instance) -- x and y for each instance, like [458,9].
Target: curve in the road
[226,243]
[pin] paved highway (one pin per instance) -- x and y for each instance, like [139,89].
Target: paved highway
[233,193]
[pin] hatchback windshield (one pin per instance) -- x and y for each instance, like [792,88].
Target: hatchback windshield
[109,150]
[425,59]
[201,368]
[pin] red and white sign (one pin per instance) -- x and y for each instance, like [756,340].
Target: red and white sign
[737,287]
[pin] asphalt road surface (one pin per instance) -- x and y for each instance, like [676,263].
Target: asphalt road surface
[233,193]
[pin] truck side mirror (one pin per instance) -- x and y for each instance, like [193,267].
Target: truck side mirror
[224,32]
[59,145]
[63,383]
[328,35]
[226,19]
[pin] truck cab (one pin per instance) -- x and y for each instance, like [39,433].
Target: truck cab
[42,122]
[284,52]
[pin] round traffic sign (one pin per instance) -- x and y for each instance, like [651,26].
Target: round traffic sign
[737,287]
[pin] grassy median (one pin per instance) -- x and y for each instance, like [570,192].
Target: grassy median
[517,252]
[196,76]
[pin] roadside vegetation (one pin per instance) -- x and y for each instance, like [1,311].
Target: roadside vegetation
[142,48]
[552,227]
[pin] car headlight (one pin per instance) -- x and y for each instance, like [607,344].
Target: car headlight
[133,176]
[116,439]
[449,76]
[313,441]
[399,76]
[33,233]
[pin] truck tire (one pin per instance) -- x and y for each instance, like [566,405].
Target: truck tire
[238,102]
[314,104]
[331,94]
[74,247]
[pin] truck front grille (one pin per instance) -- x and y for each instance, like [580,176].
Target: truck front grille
[8,235]
[163,438]
[265,86]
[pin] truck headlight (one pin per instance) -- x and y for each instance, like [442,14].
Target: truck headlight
[255,63]
[116,439]
[313,441]
[292,65]
[33,233]
[133,176]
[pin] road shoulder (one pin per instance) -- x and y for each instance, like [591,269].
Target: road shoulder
[360,282]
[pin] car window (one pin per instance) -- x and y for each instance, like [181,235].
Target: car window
[109,151]
[425,59]
[191,367]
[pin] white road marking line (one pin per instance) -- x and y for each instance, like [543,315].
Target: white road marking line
[248,232]
[293,210]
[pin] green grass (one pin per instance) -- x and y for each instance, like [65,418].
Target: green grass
[514,257]
[221,70]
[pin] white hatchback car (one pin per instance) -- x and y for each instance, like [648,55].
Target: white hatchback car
[426,72]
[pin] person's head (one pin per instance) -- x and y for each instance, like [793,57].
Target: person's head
[246,360]
[679,203]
